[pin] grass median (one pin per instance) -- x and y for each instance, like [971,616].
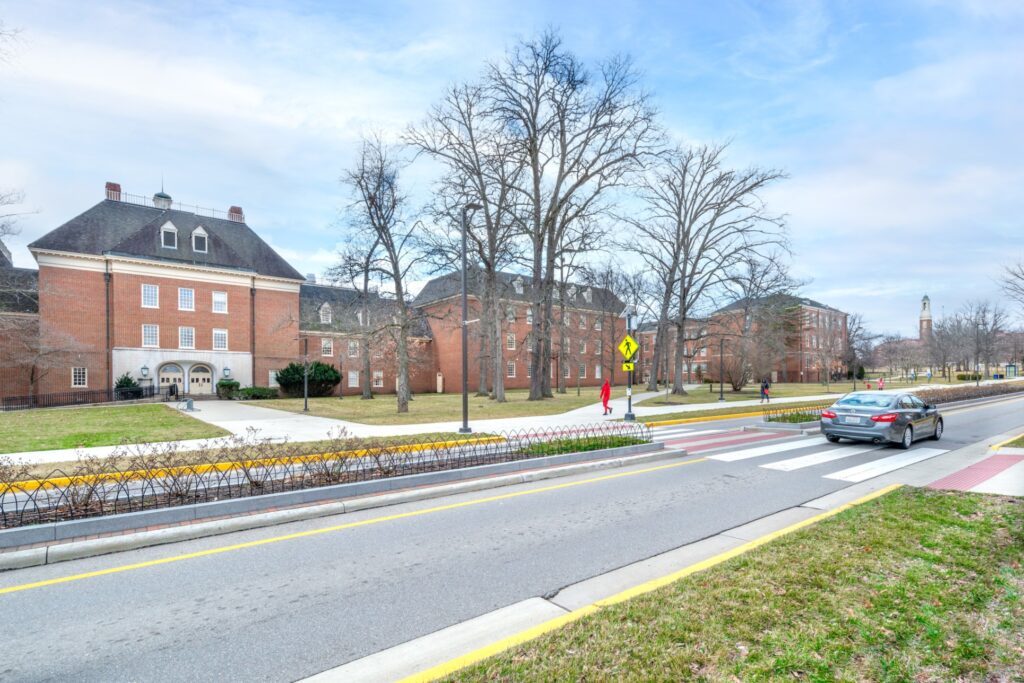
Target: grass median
[918,585]
[736,410]
[55,428]
[751,392]
[425,408]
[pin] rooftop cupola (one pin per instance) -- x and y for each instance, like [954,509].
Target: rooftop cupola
[162,200]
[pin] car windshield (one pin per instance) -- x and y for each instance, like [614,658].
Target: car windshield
[865,401]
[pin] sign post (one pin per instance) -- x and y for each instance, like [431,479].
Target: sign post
[628,348]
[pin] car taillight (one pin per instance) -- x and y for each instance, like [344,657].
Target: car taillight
[828,413]
[885,417]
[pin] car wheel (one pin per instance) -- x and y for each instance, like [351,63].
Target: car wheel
[938,431]
[908,438]
[832,437]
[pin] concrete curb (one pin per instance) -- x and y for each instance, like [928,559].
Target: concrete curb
[74,550]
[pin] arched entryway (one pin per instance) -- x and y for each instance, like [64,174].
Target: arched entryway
[171,374]
[200,380]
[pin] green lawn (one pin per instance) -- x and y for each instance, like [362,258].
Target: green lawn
[918,585]
[52,428]
[440,407]
[748,393]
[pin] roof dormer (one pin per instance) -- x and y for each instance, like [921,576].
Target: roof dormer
[200,241]
[169,236]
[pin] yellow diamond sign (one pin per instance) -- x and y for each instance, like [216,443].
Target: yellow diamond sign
[627,347]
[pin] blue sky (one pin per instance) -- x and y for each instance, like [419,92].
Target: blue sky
[899,124]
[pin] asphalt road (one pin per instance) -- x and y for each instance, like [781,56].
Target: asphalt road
[290,608]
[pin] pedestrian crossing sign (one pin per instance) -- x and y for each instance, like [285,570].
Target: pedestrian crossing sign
[627,347]
[628,367]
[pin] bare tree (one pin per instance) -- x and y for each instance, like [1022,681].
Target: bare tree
[579,133]
[859,342]
[379,209]
[483,167]
[700,220]
[1013,282]
[987,322]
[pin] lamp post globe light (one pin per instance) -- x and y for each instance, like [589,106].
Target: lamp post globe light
[464,429]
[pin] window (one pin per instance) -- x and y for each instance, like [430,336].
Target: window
[583,322]
[220,302]
[353,349]
[186,337]
[186,299]
[583,371]
[529,370]
[272,378]
[326,315]
[353,379]
[510,342]
[79,377]
[571,292]
[326,347]
[597,348]
[510,314]
[151,296]
[565,371]
[169,237]
[588,295]
[583,347]
[597,324]
[510,369]
[151,335]
[518,285]
[220,340]
[529,316]
[597,372]
[199,241]
[378,379]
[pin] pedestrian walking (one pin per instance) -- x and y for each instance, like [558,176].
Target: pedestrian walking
[881,383]
[606,394]
[929,375]
[765,386]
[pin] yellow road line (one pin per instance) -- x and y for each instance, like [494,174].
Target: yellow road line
[204,468]
[339,527]
[1003,443]
[499,646]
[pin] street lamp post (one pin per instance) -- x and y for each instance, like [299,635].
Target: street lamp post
[721,371]
[464,429]
[305,375]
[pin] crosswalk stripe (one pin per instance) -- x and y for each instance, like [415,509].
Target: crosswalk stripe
[767,450]
[663,436]
[740,438]
[818,458]
[877,467]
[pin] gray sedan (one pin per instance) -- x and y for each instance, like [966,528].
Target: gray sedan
[881,417]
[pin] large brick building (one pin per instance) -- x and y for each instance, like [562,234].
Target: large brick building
[180,296]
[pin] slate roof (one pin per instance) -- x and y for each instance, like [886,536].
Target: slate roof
[779,300]
[121,228]
[601,301]
[19,290]
[346,303]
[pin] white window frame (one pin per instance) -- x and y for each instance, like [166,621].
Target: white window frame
[353,349]
[181,336]
[326,314]
[529,315]
[75,384]
[597,347]
[597,371]
[217,331]
[517,284]
[156,295]
[510,342]
[192,298]
[598,325]
[583,346]
[213,302]
[272,379]
[199,232]
[583,322]
[155,344]
[566,373]
[353,379]
[510,369]
[582,370]
[326,347]
[510,314]
[168,228]
[378,379]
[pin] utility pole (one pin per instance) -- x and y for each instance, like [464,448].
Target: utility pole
[629,416]
[721,366]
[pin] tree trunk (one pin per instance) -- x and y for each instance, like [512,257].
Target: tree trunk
[364,347]
[402,390]
[498,343]
[677,367]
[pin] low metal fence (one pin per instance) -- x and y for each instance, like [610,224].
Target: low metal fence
[71,398]
[154,476]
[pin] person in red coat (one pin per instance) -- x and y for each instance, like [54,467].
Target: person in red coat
[606,394]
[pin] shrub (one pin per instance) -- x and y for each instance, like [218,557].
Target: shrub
[322,379]
[255,393]
[968,376]
[227,388]
[127,388]
[860,372]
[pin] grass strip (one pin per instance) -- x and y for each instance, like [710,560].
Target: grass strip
[1016,443]
[719,412]
[795,418]
[560,446]
[916,585]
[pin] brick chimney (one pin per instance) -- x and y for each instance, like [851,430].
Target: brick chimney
[114,191]
[235,213]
